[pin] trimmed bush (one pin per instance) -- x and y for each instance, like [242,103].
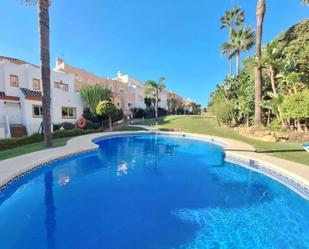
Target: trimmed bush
[118,116]
[65,125]
[138,112]
[92,125]
[10,143]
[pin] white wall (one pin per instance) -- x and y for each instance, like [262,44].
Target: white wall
[26,73]
[61,98]
[136,87]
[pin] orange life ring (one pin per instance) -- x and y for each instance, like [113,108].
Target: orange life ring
[81,122]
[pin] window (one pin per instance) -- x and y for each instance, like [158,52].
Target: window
[14,80]
[60,85]
[129,104]
[118,104]
[36,84]
[37,111]
[68,112]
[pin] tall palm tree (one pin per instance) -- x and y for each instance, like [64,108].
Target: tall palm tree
[270,56]
[240,40]
[43,13]
[152,90]
[231,20]
[260,13]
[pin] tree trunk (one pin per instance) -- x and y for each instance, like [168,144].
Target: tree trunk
[268,118]
[299,128]
[156,107]
[231,65]
[110,123]
[43,9]
[230,59]
[237,62]
[260,13]
[272,79]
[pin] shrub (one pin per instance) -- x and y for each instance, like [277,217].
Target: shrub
[150,112]
[224,111]
[68,133]
[56,127]
[65,125]
[90,116]
[275,125]
[162,112]
[138,112]
[92,125]
[118,115]
[296,106]
[10,143]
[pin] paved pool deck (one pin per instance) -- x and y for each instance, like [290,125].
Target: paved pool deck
[11,169]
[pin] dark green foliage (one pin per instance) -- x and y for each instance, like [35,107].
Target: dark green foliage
[285,71]
[10,143]
[296,106]
[71,133]
[118,115]
[65,125]
[138,112]
[92,125]
[150,112]
[93,95]
[88,115]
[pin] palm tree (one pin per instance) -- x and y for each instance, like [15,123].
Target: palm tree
[240,40]
[152,90]
[270,59]
[260,13]
[235,17]
[43,13]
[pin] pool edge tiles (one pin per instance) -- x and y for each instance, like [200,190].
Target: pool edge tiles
[39,166]
[295,185]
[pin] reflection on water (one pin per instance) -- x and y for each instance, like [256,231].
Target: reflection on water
[50,219]
[122,169]
[150,191]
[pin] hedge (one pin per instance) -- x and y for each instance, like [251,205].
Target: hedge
[10,143]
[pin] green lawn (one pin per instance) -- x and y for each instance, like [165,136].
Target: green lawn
[129,128]
[209,126]
[31,148]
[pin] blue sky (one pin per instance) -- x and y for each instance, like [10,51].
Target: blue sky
[179,39]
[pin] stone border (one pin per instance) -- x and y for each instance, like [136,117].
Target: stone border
[293,175]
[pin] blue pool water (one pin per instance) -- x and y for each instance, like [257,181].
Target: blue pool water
[149,191]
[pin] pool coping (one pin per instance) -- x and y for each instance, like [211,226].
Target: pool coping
[292,174]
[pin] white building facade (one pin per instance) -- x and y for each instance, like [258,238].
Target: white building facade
[21,97]
[135,87]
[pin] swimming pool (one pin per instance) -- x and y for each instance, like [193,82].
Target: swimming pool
[151,191]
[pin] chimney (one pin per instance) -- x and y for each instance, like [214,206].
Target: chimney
[119,74]
[59,61]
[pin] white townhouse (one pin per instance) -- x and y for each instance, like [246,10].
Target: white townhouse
[135,87]
[21,98]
